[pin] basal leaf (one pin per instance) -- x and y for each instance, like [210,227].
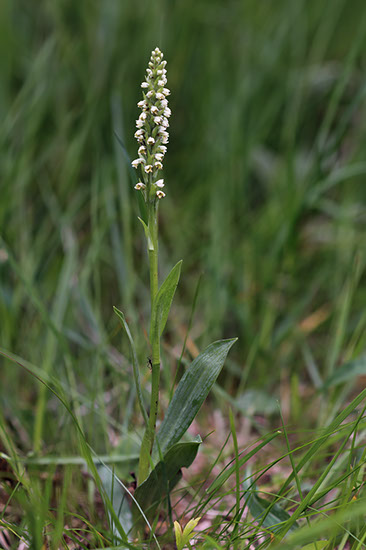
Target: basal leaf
[163,301]
[191,392]
[165,476]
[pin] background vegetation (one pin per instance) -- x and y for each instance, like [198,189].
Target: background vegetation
[265,203]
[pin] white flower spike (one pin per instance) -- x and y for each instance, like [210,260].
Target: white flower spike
[152,124]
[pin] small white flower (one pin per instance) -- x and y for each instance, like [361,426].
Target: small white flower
[139,186]
[152,149]
[162,132]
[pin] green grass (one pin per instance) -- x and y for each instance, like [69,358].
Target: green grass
[265,177]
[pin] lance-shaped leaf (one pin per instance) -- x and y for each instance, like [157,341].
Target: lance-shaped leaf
[165,476]
[163,301]
[191,392]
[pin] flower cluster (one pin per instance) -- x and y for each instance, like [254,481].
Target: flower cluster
[152,124]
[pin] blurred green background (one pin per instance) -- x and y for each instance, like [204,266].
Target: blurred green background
[265,179]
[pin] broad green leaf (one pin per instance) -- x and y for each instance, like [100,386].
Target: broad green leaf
[163,301]
[347,372]
[191,392]
[269,515]
[165,475]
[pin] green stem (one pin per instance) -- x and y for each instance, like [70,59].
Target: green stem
[149,436]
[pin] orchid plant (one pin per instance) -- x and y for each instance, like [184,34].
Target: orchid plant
[162,452]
